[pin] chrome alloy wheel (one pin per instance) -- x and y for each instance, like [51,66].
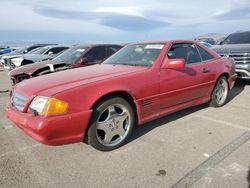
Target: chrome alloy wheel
[113,125]
[221,91]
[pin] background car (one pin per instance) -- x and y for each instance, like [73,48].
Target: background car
[102,103]
[5,50]
[206,40]
[41,54]
[76,56]
[237,46]
[207,44]
[5,58]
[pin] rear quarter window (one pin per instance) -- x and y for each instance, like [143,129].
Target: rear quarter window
[205,56]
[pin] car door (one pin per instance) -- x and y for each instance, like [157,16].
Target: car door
[179,86]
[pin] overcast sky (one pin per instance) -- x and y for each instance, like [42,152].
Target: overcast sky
[120,20]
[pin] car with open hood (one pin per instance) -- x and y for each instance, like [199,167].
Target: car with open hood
[74,57]
[102,103]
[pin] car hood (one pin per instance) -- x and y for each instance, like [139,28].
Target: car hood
[5,56]
[13,53]
[36,57]
[31,68]
[50,84]
[229,48]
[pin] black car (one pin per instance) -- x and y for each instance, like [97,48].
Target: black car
[237,46]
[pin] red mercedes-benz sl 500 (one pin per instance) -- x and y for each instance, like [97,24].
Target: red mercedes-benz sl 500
[102,103]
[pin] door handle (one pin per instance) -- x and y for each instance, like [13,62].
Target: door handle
[206,70]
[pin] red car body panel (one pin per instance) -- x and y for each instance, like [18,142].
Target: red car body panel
[41,130]
[30,69]
[155,91]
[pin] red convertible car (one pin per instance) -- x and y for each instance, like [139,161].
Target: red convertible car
[102,103]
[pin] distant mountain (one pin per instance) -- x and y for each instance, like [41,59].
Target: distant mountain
[21,43]
[216,36]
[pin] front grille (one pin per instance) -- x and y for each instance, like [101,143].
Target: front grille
[19,101]
[239,58]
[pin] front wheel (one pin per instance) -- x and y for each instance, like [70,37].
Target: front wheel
[220,92]
[111,124]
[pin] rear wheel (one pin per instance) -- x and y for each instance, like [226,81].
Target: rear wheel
[111,124]
[220,92]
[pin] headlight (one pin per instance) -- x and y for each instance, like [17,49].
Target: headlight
[17,61]
[46,106]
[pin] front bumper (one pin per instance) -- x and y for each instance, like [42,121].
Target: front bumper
[53,130]
[243,70]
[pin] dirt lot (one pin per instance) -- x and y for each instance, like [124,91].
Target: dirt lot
[197,147]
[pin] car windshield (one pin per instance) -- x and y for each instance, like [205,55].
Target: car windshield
[21,50]
[33,51]
[237,38]
[137,55]
[39,51]
[70,56]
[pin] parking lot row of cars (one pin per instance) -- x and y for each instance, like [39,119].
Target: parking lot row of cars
[135,84]
[49,58]
[102,103]
[40,59]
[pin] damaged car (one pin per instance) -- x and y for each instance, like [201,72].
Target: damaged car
[41,54]
[74,57]
[5,58]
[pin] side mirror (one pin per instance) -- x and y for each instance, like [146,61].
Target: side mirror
[82,61]
[25,51]
[50,53]
[173,64]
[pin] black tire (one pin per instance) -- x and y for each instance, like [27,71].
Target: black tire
[221,83]
[113,108]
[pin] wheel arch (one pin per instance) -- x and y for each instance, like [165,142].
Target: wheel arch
[226,74]
[211,103]
[121,93]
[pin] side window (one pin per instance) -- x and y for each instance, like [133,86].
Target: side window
[187,51]
[205,56]
[96,54]
[110,50]
[56,50]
